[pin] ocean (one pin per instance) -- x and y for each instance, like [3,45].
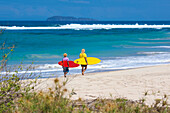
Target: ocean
[119,44]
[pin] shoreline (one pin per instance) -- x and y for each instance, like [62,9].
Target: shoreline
[131,84]
[103,71]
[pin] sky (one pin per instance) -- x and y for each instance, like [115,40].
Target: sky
[106,10]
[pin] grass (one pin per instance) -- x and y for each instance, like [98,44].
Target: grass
[12,86]
[18,96]
[54,101]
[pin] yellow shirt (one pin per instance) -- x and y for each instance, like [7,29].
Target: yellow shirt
[83,55]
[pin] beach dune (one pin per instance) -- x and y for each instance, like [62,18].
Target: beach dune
[150,83]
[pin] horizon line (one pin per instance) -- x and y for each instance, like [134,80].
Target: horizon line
[84,21]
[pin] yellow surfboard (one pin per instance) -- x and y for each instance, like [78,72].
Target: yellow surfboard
[90,60]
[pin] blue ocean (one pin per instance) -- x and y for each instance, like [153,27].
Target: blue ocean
[119,44]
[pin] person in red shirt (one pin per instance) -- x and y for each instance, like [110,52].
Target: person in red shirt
[65,62]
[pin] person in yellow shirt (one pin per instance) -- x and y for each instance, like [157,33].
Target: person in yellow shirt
[83,55]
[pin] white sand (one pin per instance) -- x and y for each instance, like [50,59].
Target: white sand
[131,84]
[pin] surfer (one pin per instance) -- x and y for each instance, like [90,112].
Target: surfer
[65,65]
[83,55]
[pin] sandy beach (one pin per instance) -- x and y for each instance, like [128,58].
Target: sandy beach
[131,84]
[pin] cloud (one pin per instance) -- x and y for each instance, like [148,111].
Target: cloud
[76,1]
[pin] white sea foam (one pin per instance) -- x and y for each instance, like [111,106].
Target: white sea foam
[49,66]
[166,47]
[168,38]
[159,47]
[86,27]
[115,63]
[151,53]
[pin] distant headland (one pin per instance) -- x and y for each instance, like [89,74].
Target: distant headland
[69,18]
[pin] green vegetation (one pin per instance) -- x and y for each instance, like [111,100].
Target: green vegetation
[54,101]
[13,86]
[17,95]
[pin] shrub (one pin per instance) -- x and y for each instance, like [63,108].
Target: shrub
[13,86]
[55,101]
[17,95]
[51,102]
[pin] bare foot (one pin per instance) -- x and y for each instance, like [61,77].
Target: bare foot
[82,73]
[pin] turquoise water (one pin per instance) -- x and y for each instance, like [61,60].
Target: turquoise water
[118,48]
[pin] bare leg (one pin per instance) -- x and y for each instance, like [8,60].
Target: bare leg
[82,70]
[85,68]
[65,74]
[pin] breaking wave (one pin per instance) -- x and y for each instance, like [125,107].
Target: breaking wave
[113,63]
[86,27]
